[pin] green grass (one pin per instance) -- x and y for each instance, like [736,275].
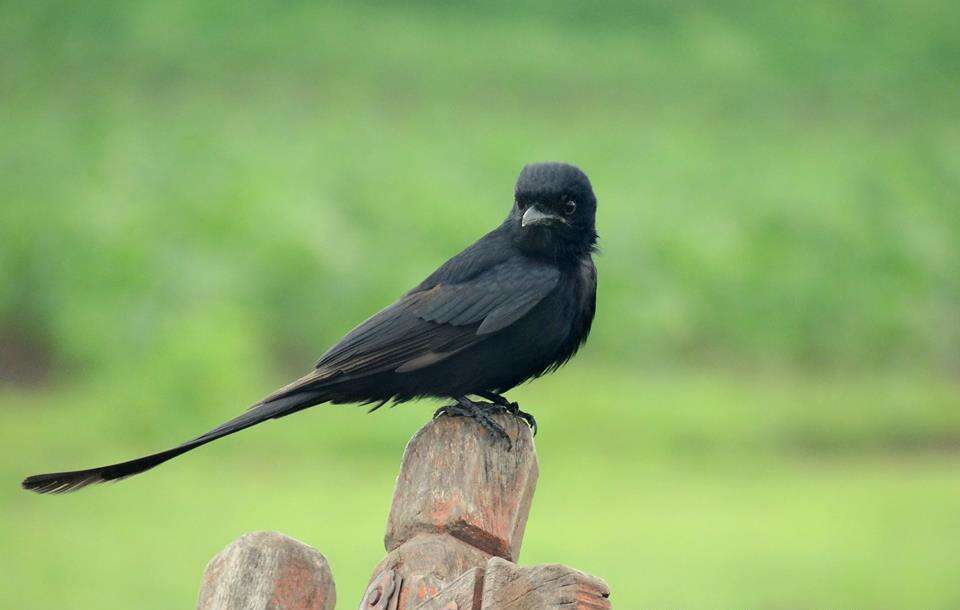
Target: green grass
[781,534]
[196,198]
[692,490]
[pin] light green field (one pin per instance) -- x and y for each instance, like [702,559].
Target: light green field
[683,491]
[196,198]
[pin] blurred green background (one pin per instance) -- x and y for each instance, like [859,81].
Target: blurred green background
[197,198]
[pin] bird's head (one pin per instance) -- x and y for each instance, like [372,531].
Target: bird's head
[553,211]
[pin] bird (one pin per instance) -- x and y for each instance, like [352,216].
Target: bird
[516,304]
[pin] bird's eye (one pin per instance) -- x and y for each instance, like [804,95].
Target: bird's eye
[520,204]
[570,207]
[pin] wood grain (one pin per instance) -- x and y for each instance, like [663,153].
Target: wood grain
[457,479]
[426,564]
[508,586]
[267,570]
[461,594]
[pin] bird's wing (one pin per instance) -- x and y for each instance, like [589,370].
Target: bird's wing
[492,300]
[444,318]
[430,324]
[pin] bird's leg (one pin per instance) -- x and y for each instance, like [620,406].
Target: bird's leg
[480,412]
[512,408]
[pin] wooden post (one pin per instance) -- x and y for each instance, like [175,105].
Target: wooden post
[454,532]
[267,570]
[456,525]
[511,587]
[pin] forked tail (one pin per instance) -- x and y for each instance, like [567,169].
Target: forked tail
[63,482]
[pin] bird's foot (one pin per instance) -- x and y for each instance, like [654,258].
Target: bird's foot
[502,404]
[479,412]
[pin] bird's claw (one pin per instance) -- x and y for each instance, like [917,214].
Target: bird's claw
[529,418]
[514,409]
[494,429]
[479,413]
[504,405]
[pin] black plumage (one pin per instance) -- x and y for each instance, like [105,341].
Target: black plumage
[516,304]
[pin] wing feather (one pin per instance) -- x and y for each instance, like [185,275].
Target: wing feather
[434,322]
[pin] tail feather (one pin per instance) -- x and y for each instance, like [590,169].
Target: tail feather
[64,482]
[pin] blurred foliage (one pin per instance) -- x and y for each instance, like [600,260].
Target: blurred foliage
[197,198]
[777,183]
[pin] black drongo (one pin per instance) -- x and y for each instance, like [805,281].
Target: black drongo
[516,304]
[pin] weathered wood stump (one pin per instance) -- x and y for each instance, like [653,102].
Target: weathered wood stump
[455,528]
[267,570]
[510,587]
[456,524]
[456,480]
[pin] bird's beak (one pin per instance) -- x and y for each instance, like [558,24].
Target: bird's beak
[535,216]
